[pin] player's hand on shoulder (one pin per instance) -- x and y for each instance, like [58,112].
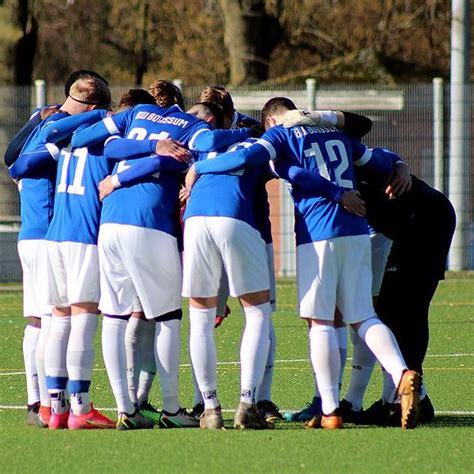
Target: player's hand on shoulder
[106,187]
[400,182]
[173,148]
[292,118]
[353,203]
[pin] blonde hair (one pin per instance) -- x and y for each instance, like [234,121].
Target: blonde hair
[90,90]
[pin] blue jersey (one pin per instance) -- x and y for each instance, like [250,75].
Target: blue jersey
[229,195]
[238,119]
[76,203]
[35,184]
[330,155]
[152,202]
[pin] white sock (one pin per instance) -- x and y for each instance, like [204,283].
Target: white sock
[133,350]
[168,349]
[265,388]
[254,350]
[389,389]
[203,353]
[326,364]
[115,359]
[55,355]
[197,393]
[30,341]
[362,366]
[80,360]
[341,334]
[148,368]
[45,399]
[384,346]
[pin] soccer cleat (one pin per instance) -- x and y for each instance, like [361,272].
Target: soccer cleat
[149,411]
[197,410]
[313,409]
[180,419]
[31,418]
[211,419]
[248,416]
[349,415]
[269,410]
[409,397]
[136,421]
[58,421]
[219,319]
[44,415]
[314,423]
[381,413]
[89,421]
[427,413]
[332,422]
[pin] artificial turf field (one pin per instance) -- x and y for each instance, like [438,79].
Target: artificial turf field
[444,446]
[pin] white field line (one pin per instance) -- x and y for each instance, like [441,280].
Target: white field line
[279,361]
[232,410]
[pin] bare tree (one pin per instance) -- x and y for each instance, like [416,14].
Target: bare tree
[250,35]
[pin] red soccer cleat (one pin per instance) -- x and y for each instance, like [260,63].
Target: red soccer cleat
[58,421]
[90,421]
[44,415]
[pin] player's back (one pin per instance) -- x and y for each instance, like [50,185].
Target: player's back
[330,153]
[228,195]
[76,205]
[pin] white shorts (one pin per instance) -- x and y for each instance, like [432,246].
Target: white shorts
[75,273]
[34,263]
[271,271]
[138,266]
[380,246]
[223,292]
[335,272]
[214,243]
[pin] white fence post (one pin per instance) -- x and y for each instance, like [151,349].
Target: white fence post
[311,93]
[40,93]
[438,133]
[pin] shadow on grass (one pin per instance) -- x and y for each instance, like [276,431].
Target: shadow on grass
[443,421]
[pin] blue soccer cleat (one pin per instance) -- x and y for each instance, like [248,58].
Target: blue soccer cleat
[313,409]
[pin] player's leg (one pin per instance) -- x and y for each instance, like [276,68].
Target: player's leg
[355,302]
[157,280]
[116,303]
[264,396]
[56,346]
[363,360]
[201,276]
[317,282]
[82,266]
[44,413]
[246,263]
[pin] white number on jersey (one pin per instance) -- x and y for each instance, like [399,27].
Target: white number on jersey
[76,186]
[330,147]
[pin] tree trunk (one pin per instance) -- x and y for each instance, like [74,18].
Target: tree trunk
[250,35]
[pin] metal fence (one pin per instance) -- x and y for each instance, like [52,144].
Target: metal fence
[412,120]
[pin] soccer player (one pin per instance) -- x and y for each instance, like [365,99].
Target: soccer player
[220,230]
[36,186]
[421,223]
[16,144]
[333,250]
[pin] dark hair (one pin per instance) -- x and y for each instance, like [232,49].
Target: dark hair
[220,96]
[276,105]
[166,93]
[134,97]
[209,108]
[79,74]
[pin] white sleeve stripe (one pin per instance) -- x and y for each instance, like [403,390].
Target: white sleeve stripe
[115,181]
[110,139]
[363,160]
[193,138]
[54,150]
[110,126]
[268,146]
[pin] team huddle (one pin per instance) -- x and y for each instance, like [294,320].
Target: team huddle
[125,213]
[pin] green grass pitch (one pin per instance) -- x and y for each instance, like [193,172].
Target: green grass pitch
[445,446]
